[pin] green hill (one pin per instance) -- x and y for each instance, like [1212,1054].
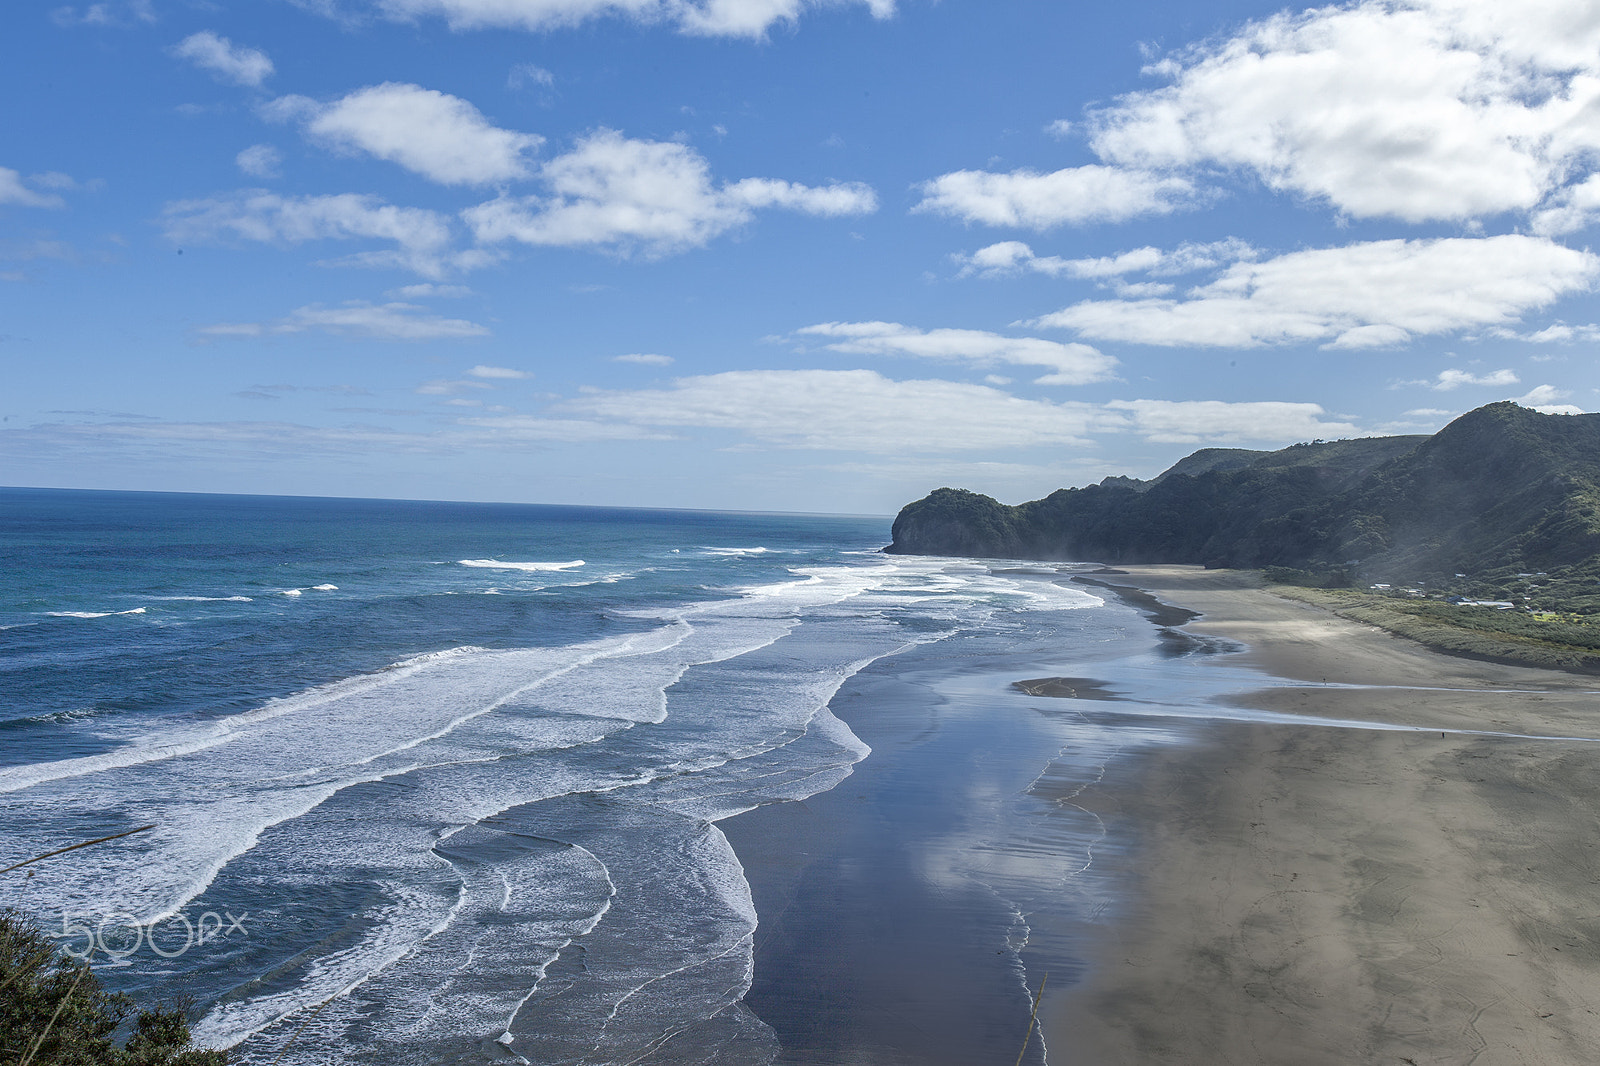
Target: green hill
[1500,491]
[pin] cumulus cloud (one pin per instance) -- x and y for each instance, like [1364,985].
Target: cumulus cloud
[1411,109]
[1032,200]
[643,359]
[1070,364]
[498,372]
[1543,398]
[1570,209]
[711,18]
[1009,258]
[656,197]
[1364,295]
[850,410]
[13,191]
[387,322]
[224,59]
[1449,380]
[1215,421]
[422,237]
[441,137]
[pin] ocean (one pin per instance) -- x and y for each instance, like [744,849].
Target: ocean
[443,782]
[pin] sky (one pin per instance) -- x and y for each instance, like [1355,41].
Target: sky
[783,255]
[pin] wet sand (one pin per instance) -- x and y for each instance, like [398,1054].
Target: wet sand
[1309,894]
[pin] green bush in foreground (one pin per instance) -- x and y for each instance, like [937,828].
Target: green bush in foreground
[53,1012]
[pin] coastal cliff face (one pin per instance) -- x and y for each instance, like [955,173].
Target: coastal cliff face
[1501,486]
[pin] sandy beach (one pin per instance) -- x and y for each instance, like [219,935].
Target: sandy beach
[1324,894]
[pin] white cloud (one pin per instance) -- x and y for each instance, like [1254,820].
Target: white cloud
[13,191]
[1360,295]
[859,410]
[828,201]
[511,427]
[388,322]
[1555,333]
[1138,290]
[1070,364]
[752,18]
[1031,200]
[1561,333]
[717,18]
[529,74]
[1570,209]
[428,289]
[653,196]
[1214,421]
[259,161]
[54,179]
[442,387]
[441,137]
[499,372]
[241,66]
[89,442]
[644,359]
[422,237]
[1450,380]
[1410,109]
[28,251]
[1542,398]
[851,410]
[1014,257]
[104,14]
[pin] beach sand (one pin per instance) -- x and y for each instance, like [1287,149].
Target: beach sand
[1316,894]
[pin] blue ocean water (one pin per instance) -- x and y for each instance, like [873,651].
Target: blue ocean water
[438,782]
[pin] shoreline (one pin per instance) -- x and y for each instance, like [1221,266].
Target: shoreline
[1327,894]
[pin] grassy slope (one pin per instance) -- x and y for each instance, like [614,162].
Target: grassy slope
[1474,632]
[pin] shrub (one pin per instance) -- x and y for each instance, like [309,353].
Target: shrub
[53,1012]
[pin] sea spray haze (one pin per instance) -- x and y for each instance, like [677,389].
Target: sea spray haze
[436,782]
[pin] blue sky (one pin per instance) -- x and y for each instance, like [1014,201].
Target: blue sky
[776,254]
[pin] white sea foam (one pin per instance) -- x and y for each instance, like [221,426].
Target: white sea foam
[625,748]
[92,614]
[496,564]
[207,599]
